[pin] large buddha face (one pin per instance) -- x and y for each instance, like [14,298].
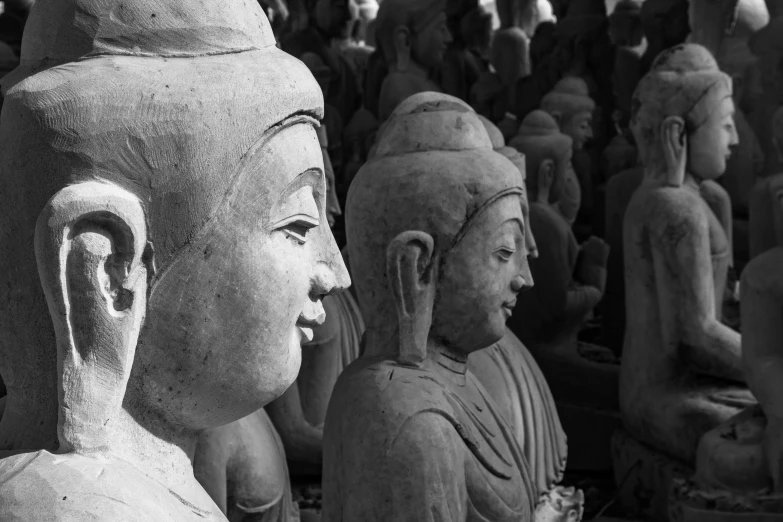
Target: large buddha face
[709,146]
[480,278]
[226,320]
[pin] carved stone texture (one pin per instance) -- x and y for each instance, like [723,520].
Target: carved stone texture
[681,372]
[436,240]
[165,249]
[412,37]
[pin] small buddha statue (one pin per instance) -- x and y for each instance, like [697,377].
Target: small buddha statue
[412,37]
[681,372]
[408,419]
[164,261]
[571,106]
[739,466]
[569,278]
[627,34]
[327,21]
[665,24]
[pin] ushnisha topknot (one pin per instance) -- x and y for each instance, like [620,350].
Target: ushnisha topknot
[570,96]
[86,28]
[539,138]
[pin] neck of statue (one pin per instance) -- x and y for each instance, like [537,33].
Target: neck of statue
[157,447]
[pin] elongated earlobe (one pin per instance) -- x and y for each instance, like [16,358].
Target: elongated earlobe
[411,273]
[92,256]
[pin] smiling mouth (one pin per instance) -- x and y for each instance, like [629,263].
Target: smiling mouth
[508,307]
[306,324]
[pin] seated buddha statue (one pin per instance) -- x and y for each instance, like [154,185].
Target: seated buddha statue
[164,262]
[412,38]
[569,278]
[681,372]
[570,104]
[436,277]
[514,380]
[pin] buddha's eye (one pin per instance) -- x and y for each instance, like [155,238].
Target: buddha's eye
[505,253]
[297,231]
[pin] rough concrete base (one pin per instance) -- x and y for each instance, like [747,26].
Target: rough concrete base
[688,503]
[644,477]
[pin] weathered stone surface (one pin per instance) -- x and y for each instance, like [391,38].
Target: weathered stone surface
[149,297]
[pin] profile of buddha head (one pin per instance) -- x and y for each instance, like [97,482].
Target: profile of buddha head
[436,233]
[684,106]
[625,23]
[165,238]
[412,31]
[570,104]
[548,152]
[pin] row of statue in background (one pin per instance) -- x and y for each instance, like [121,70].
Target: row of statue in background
[163,260]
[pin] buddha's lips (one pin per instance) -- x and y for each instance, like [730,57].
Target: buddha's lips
[510,304]
[311,322]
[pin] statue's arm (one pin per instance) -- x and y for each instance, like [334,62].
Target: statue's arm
[719,201]
[302,441]
[426,472]
[682,260]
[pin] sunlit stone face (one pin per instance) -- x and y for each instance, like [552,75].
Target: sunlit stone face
[225,321]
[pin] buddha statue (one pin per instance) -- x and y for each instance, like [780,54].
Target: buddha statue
[665,24]
[681,372]
[412,37]
[436,279]
[299,414]
[162,262]
[568,284]
[627,34]
[571,106]
[467,56]
[327,21]
[739,466]
[514,380]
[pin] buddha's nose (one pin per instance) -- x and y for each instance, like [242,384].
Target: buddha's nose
[331,274]
[522,281]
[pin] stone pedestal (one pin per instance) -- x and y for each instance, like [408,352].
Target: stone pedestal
[688,503]
[644,477]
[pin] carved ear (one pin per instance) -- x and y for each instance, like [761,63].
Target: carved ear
[675,149]
[89,243]
[402,46]
[411,273]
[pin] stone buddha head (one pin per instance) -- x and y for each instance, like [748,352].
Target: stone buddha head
[570,104]
[162,158]
[436,233]
[683,108]
[412,31]
[547,154]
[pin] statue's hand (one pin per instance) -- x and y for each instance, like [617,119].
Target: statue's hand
[561,505]
[595,251]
